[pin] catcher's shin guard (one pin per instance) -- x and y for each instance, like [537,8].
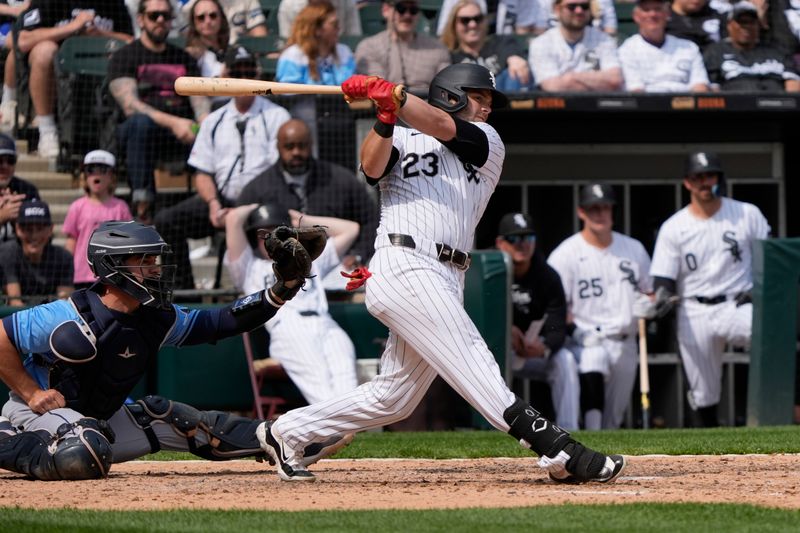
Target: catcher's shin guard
[227,436]
[78,451]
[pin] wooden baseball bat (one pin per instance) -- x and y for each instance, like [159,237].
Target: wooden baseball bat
[195,86]
[644,375]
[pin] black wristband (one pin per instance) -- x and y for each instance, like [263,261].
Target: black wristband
[383,129]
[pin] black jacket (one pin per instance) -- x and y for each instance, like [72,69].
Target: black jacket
[537,292]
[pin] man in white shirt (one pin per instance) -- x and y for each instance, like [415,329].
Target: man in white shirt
[234,145]
[655,62]
[575,56]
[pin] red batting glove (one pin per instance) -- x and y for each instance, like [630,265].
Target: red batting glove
[355,87]
[357,277]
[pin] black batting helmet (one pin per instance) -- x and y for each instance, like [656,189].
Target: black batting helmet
[448,87]
[702,162]
[114,242]
[267,215]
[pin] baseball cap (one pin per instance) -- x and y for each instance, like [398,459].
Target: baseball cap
[266,216]
[597,193]
[742,8]
[34,212]
[516,224]
[100,157]
[7,145]
[239,56]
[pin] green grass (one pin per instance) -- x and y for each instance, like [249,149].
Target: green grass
[585,518]
[472,444]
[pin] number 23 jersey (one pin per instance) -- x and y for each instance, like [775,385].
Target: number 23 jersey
[710,257]
[431,193]
[601,284]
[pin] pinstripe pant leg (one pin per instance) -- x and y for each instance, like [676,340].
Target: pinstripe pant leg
[701,352]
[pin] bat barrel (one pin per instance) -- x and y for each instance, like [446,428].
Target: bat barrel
[197,86]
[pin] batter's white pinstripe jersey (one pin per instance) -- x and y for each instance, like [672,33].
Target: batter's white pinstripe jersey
[675,66]
[602,284]
[431,193]
[710,257]
[252,274]
[550,56]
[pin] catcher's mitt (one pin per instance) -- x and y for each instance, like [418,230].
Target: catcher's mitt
[292,251]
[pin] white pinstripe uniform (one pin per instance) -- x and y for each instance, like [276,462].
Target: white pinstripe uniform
[710,258]
[675,66]
[315,352]
[433,197]
[600,286]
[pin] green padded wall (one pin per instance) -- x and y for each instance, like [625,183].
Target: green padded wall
[770,391]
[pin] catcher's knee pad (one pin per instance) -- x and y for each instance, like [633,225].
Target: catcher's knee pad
[78,451]
[226,435]
[593,391]
[533,430]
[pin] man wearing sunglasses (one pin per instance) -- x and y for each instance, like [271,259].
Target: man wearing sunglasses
[575,56]
[540,320]
[160,124]
[401,52]
[604,274]
[13,190]
[46,24]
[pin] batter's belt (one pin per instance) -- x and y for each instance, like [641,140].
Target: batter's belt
[444,252]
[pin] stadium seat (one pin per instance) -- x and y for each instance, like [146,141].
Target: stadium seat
[372,20]
[429,15]
[270,9]
[266,49]
[625,24]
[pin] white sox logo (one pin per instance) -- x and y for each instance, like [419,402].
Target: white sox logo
[730,238]
[630,275]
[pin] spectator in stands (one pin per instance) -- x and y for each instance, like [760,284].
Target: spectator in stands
[603,12]
[466,38]
[314,53]
[236,143]
[31,265]
[44,25]
[655,62]
[575,56]
[13,190]
[316,187]
[86,213]
[245,17]
[349,20]
[781,20]
[207,36]
[742,63]
[159,123]
[539,325]
[314,350]
[179,24]
[697,21]
[447,9]
[401,53]
[9,11]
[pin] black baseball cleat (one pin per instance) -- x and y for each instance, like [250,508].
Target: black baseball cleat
[288,465]
[610,471]
[320,450]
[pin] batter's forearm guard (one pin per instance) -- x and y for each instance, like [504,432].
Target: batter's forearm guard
[535,431]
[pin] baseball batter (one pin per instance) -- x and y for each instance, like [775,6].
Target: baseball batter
[703,254]
[603,273]
[436,177]
[314,350]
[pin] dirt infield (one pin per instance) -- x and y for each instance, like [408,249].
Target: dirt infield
[769,480]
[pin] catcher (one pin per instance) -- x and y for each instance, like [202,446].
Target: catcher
[66,417]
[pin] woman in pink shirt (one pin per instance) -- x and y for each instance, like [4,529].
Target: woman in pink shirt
[87,213]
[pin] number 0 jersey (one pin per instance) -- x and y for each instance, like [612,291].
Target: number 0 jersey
[602,284]
[710,257]
[431,193]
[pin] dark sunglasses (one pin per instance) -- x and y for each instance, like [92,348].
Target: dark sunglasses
[98,169]
[477,19]
[574,7]
[153,16]
[405,8]
[8,160]
[201,17]
[516,239]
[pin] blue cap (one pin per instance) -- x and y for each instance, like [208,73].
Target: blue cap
[8,146]
[34,212]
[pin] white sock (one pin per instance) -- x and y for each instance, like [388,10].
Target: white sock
[9,93]
[593,419]
[46,123]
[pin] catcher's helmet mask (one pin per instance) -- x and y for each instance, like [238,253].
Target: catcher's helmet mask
[113,243]
[707,163]
[448,89]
